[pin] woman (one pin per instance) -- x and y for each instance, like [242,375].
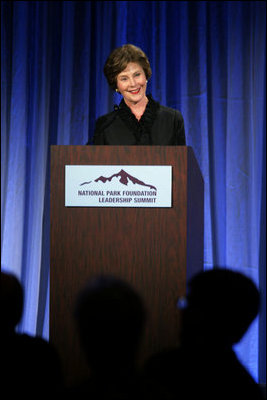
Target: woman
[138,120]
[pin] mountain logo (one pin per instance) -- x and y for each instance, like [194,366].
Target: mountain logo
[124,179]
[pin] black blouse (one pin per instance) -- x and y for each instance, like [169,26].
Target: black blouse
[159,125]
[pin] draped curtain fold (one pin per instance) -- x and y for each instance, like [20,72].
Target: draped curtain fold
[208,60]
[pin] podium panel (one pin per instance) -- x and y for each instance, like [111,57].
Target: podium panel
[154,249]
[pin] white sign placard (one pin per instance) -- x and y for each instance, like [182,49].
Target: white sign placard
[118,186]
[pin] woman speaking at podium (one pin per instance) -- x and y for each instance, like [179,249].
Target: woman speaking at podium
[139,119]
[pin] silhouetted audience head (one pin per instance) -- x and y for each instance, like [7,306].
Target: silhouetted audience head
[221,305]
[11,302]
[30,365]
[110,316]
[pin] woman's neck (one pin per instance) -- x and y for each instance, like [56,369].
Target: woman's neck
[138,109]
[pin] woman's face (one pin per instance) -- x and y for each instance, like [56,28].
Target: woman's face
[131,83]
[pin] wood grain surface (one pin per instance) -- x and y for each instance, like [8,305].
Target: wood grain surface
[154,249]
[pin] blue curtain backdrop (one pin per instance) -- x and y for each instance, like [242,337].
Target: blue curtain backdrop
[208,60]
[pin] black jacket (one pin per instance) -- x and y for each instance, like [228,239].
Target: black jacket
[159,125]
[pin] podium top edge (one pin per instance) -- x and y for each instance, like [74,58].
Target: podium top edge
[117,146]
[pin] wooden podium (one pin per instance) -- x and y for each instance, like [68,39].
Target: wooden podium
[155,249]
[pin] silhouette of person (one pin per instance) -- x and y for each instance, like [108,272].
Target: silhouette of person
[110,317]
[30,365]
[220,306]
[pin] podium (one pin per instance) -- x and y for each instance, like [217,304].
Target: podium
[156,250]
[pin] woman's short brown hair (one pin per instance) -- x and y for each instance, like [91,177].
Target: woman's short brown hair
[120,58]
